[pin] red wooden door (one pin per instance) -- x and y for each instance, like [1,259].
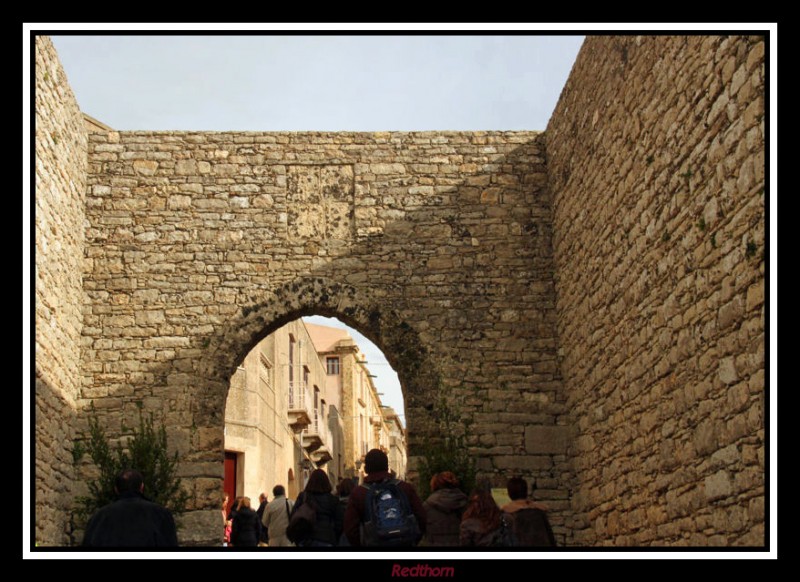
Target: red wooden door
[229,482]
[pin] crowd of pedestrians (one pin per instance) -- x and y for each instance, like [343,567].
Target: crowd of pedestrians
[381,511]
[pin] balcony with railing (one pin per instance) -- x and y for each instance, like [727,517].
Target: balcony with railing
[325,451]
[312,437]
[301,405]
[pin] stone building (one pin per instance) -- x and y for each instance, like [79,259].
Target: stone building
[591,298]
[280,422]
[349,377]
[398,455]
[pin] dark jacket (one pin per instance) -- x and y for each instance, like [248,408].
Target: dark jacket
[131,521]
[530,524]
[343,502]
[245,529]
[443,510]
[354,515]
[330,518]
[263,534]
[471,533]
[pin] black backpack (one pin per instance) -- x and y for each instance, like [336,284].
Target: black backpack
[388,518]
[301,523]
[505,536]
[532,529]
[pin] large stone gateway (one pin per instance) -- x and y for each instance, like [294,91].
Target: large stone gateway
[592,296]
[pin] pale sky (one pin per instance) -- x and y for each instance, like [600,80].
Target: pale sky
[320,83]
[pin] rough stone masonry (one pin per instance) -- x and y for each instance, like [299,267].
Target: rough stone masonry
[592,296]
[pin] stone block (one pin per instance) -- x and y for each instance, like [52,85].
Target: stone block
[755,296]
[207,439]
[755,510]
[546,439]
[199,528]
[731,314]
[387,169]
[145,167]
[186,167]
[725,457]
[150,317]
[523,463]
[179,202]
[727,371]
[718,486]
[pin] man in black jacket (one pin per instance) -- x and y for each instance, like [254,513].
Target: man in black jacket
[132,520]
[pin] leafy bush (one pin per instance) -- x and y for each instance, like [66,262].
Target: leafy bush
[451,453]
[146,452]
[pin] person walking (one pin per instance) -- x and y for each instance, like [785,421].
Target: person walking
[328,515]
[226,523]
[481,524]
[343,490]
[444,509]
[132,520]
[385,511]
[527,517]
[276,517]
[263,540]
[245,528]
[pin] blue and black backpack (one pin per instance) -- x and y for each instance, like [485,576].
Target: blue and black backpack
[388,518]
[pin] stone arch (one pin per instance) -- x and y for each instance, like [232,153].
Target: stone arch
[265,313]
[381,324]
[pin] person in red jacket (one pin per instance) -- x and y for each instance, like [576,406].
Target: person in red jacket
[376,464]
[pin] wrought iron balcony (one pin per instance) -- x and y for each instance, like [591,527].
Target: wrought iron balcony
[312,433]
[301,405]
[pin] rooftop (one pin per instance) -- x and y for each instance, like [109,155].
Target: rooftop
[325,338]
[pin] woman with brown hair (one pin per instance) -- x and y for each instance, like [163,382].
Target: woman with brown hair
[328,514]
[482,522]
[444,508]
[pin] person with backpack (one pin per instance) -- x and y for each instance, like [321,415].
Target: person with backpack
[317,517]
[529,518]
[383,511]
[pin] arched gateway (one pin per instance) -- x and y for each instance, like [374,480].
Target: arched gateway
[435,245]
[633,396]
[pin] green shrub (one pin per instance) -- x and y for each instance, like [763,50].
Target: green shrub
[451,453]
[146,452]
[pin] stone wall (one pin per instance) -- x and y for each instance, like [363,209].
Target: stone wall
[630,264]
[436,246]
[59,210]
[656,161]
